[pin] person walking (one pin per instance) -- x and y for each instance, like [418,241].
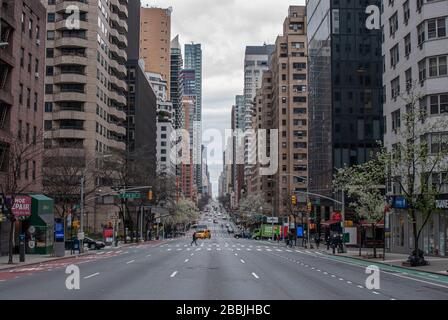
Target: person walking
[290,239]
[317,240]
[194,239]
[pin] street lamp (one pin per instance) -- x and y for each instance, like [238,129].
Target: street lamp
[81,233]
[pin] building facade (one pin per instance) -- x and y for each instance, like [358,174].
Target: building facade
[415,51]
[345,109]
[86,89]
[193,61]
[22,65]
[288,66]
[176,88]
[155,41]
[255,63]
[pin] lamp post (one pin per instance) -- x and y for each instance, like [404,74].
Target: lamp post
[81,233]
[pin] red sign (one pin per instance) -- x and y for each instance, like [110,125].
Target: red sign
[22,206]
[336,216]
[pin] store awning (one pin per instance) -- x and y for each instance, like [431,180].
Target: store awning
[330,222]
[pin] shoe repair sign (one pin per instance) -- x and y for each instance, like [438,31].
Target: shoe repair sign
[22,206]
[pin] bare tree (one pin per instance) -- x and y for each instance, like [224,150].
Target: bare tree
[15,180]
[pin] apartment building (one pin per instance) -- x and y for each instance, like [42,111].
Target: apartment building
[85,88]
[22,55]
[288,65]
[415,53]
[255,62]
[155,41]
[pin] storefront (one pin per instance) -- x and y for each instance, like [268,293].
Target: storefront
[434,236]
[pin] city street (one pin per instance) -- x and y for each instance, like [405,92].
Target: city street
[222,268]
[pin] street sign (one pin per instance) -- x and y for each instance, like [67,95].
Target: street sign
[272,219]
[31,244]
[130,195]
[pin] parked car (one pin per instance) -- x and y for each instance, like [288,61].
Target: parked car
[242,234]
[94,244]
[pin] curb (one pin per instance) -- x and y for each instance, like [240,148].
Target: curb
[49,260]
[390,265]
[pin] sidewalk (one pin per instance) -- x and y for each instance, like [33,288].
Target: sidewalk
[32,259]
[437,265]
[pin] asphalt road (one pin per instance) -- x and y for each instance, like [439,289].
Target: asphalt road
[222,268]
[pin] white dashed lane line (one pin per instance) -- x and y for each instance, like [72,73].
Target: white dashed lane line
[92,275]
[255,275]
[242,261]
[129,262]
[186,260]
[173,274]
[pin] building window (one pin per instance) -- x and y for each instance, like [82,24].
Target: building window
[48,106]
[50,35]
[438,66]
[50,52]
[34,134]
[21,93]
[393,23]
[36,98]
[396,120]
[34,170]
[407,45]
[48,88]
[22,57]
[394,56]
[438,103]
[408,75]
[51,17]
[395,87]
[422,70]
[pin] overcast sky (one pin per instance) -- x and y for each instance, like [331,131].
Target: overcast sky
[224,28]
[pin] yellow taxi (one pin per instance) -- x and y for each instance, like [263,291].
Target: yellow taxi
[203,233]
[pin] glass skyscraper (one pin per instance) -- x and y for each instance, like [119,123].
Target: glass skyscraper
[345,107]
[193,60]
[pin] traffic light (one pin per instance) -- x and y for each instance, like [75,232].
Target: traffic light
[309,207]
[150,196]
[294,200]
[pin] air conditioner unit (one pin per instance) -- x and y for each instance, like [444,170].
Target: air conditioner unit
[37,42]
[36,75]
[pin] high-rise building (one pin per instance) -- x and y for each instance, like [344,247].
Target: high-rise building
[176,88]
[289,107]
[22,65]
[85,88]
[238,127]
[415,53]
[155,41]
[255,62]
[345,109]
[141,108]
[193,60]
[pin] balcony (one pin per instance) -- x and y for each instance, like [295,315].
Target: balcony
[61,5]
[119,99]
[69,96]
[118,67]
[71,59]
[120,130]
[68,133]
[70,78]
[117,145]
[117,52]
[66,114]
[61,24]
[71,42]
[114,112]
[120,84]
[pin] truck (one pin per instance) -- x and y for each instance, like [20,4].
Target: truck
[264,232]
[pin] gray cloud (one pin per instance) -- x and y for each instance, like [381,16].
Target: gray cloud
[224,28]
